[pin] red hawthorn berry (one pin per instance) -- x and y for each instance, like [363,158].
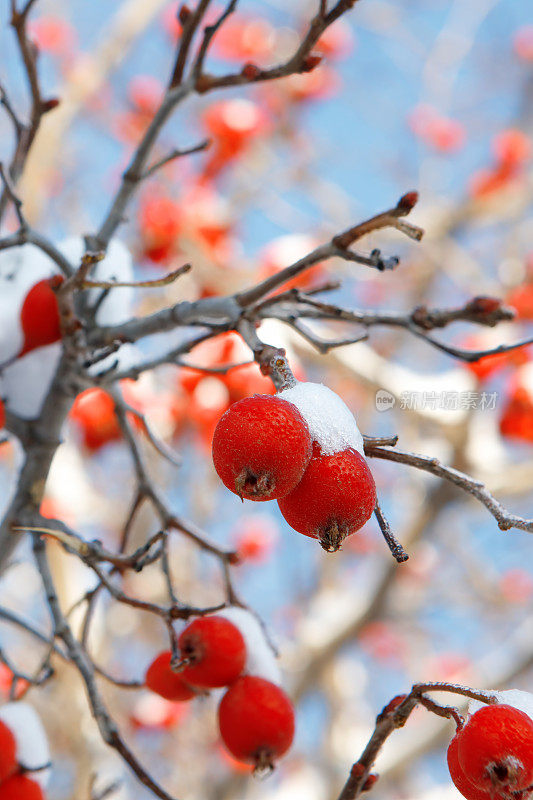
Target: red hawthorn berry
[512,147]
[215,652]
[495,749]
[20,787]
[2,414]
[335,498]
[39,315]
[261,447]
[8,750]
[457,774]
[162,680]
[256,721]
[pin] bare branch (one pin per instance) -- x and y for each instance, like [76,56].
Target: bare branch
[476,488]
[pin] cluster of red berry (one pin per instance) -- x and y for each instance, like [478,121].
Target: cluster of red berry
[255,716]
[15,784]
[492,756]
[303,449]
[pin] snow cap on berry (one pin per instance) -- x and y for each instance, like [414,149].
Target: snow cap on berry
[33,751]
[261,660]
[331,423]
[517,698]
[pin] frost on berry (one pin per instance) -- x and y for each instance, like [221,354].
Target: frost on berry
[261,447]
[495,750]
[213,650]
[256,720]
[334,499]
[330,421]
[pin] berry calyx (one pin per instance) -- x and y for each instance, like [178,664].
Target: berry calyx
[256,721]
[39,315]
[495,749]
[8,750]
[214,651]
[458,776]
[162,680]
[20,787]
[261,447]
[334,499]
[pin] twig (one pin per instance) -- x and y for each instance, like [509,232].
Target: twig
[476,488]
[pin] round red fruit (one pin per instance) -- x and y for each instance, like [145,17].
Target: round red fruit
[335,498]
[495,749]
[162,680]
[20,787]
[256,720]
[39,315]
[215,651]
[460,780]
[261,447]
[8,750]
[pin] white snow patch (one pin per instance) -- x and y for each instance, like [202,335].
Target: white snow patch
[117,266]
[32,743]
[25,382]
[261,660]
[517,698]
[330,421]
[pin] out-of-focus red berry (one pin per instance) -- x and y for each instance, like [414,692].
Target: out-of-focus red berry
[232,125]
[145,93]
[160,222]
[512,148]
[516,585]
[286,250]
[245,39]
[255,538]
[337,41]
[523,42]
[53,35]
[442,133]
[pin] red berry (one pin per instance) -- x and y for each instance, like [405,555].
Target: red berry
[215,650]
[256,720]
[161,679]
[335,497]
[495,749]
[261,447]
[20,787]
[8,749]
[39,315]
[461,782]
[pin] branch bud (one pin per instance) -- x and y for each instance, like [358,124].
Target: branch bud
[311,61]
[184,14]
[250,71]
[407,202]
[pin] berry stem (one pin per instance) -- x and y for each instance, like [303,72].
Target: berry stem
[393,544]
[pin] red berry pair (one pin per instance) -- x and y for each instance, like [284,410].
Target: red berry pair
[213,654]
[13,784]
[305,454]
[492,756]
[256,718]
